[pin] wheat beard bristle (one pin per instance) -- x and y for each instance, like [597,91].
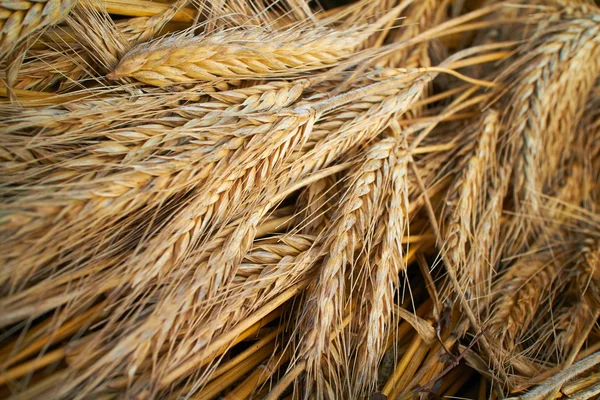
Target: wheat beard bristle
[315,205]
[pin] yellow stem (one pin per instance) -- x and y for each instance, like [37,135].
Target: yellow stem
[32,366]
[406,359]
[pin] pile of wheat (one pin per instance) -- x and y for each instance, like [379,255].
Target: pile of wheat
[280,199]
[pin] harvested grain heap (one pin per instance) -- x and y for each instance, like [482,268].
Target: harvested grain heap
[275,199]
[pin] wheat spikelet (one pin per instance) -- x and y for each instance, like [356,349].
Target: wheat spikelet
[419,17]
[271,277]
[486,245]
[257,208]
[356,123]
[21,18]
[568,323]
[67,62]
[147,29]
[590,128]
[589,279]
[246,166]
[254,164]
[270,263]
[45,69]
[145,182]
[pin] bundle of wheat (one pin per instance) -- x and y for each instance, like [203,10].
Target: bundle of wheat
[384,199]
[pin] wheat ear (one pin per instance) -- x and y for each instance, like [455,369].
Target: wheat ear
[242,54]
[20,19]
[538,119]
[520,291]
[385,260]
[463,208]
[139,184]
[326,300]
[234,55]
